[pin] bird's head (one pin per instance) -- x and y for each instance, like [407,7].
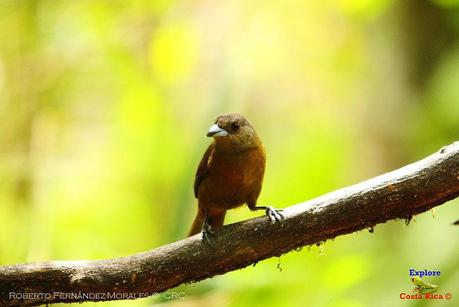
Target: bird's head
[233,133]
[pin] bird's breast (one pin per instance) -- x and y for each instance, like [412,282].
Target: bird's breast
[233,179]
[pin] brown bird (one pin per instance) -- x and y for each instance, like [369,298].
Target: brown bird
[230,173]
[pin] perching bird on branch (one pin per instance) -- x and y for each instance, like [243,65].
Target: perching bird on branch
[230,173]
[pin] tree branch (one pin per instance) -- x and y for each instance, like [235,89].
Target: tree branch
[396,195]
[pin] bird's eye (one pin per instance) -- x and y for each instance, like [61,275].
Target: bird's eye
[235,126]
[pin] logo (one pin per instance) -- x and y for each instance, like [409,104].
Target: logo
[423,289]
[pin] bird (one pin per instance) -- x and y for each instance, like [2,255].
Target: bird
[230,174]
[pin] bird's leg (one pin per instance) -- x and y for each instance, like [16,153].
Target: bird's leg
[206,228]
[274,215]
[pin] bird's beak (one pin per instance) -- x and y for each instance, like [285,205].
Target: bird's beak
[215,130]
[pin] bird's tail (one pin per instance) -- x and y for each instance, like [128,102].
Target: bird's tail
[215,219]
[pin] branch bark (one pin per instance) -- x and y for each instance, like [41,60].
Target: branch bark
[400,194]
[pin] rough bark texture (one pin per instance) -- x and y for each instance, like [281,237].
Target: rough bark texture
[399,194]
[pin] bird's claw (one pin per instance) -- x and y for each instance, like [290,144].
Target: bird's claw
[207,232]
[274,215]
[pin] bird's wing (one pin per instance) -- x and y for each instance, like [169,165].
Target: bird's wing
[203,168]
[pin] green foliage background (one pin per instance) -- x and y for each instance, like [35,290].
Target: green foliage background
[104,107]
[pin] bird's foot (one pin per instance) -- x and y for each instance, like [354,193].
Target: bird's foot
[207,232]
[274,215]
